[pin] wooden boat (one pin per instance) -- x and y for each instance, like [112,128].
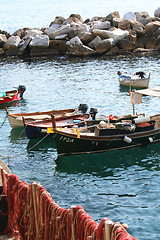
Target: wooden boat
[13,95]
[138,132]
[39,128]
[16,119]
[134,81]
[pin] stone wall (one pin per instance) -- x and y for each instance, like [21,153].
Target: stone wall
[111,35]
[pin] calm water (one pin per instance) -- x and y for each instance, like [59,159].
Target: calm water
[123,186]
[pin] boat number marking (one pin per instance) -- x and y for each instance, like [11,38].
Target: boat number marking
[66,139]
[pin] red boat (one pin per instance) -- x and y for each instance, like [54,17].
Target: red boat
[13,95]
[39,128]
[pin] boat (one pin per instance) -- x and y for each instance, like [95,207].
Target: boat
[17,119]
[135,80]
[13,95]
[41,128]
[126,134]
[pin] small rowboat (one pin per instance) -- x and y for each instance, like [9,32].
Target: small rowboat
[40,128]
[13,95]
[134,81]
[16,119]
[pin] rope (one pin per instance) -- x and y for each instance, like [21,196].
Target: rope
[3,121]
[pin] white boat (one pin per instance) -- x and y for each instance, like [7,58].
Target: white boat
[134,81]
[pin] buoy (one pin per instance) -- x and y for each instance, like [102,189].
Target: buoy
[126,139]
[141,120]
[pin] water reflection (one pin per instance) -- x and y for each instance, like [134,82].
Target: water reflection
[100,164]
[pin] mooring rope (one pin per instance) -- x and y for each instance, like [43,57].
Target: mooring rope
[3,121]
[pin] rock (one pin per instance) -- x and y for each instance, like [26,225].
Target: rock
[32,33]
[76,29]
[59,46]
[124,25]
[62,37]
[144,21]
[151,27]
[3,39]
[12,42]
[156,33]
[143,40]
[117,34]
[76,47]
[113,52]
[95,42]
[85,37]
[58,21]
[64,29]
[116,22]
[137,27]
[100,33]
[23,46]
[21,32]
[111,16]
[140,15]
[72,16]
[2,51]
[74,43]
[157,12]
[129,16]
[105,45]
[96,18]
[40,41]
[51,30]
[101,25]
[127,44]
[151,43]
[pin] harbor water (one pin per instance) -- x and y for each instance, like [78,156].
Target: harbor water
[121,185]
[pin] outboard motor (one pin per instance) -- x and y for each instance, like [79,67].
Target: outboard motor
[93,112]
[83,108]
[21,90]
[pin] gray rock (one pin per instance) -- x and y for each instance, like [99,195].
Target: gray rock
[12,42]
[105,45]
[95,42]
[40,41]
[157,12]
[3,39]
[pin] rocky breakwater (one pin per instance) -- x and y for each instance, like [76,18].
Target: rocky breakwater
[111,35]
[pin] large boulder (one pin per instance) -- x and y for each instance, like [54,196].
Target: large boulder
[117,34]
[113,15]
[137,27]
[76,47]
[53,32]
[32,33]
[40,41]
[76,16]
[58,21]
[23,46]
[140,15]
[3,39]
[151,27]
[85,37]
[101,25]
[129,16]
[95,42]
[12,42]
[105,45]
[157,12]
[100,33]
[127,44]
[124,24]
[77,28]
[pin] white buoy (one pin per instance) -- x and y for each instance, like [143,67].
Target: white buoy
[141,120]
[150,139]
[126,139]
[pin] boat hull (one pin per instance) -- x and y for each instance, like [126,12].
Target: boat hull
[16,120]
[39,128]
[134,82]
[69,144]
[13,96]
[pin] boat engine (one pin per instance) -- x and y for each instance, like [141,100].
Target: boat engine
[83,108]
[93,112]
[21,90]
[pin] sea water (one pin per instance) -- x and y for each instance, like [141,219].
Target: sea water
[123,185]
